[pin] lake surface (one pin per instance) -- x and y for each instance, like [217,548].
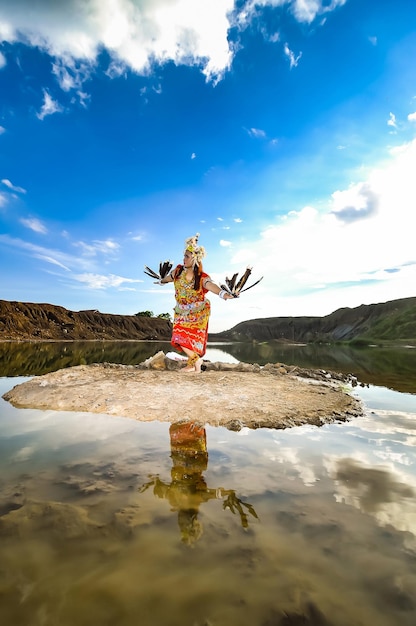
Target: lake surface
[108,521]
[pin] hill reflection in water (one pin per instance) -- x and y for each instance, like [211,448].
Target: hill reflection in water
[388,367]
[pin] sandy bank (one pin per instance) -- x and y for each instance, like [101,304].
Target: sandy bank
[273,396]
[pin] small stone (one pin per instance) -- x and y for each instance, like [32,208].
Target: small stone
[156,362]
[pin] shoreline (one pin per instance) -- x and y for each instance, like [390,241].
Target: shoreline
[231,395]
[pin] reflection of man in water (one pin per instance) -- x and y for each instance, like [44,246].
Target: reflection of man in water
[188,489]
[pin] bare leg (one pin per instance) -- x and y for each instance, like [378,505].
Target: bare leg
[194,361]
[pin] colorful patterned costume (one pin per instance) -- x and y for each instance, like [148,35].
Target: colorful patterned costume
[192,311]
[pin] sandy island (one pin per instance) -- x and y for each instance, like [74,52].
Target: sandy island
[230,395]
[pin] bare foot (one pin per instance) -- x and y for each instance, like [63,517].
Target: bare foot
[193,368]
[198,365]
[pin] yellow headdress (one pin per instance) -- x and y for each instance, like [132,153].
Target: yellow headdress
[191,245]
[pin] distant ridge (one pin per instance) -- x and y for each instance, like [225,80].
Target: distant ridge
[392,322]
[388,322]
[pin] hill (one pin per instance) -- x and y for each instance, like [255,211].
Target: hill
[388,322]
[26,321]
[391,322]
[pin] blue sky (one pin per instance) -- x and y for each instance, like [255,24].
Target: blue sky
[283,131]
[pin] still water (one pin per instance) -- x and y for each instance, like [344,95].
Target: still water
[108,521]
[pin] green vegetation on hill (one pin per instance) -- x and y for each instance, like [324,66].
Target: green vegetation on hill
[398,325]
[386,323]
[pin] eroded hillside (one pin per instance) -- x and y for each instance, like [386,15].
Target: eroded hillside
[40,322]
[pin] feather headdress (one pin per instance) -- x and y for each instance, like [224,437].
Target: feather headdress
[191,245]
[234,287]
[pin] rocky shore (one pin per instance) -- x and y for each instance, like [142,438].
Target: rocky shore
[231,395]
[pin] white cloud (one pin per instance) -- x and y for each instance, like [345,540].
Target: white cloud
[135,33]
[100,281]
[12,187]
[104,247]
[49,106]
[10,193]
[138,33]
[307,10]
[313,262]
[71,74]
[2,60]
[412,117]
[289,455]
[293,60]
[3,199]
[274,37]
[392,120]
[52,261]
[193,156]
[382,492]
[225,244]
[57,257]
[34,224]
[2,130]
[358,202]
[303,10]
[257,133]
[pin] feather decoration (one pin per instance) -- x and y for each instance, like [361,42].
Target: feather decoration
[231,283]
[234,288]
[253,285]
[164,269]
[150,272]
